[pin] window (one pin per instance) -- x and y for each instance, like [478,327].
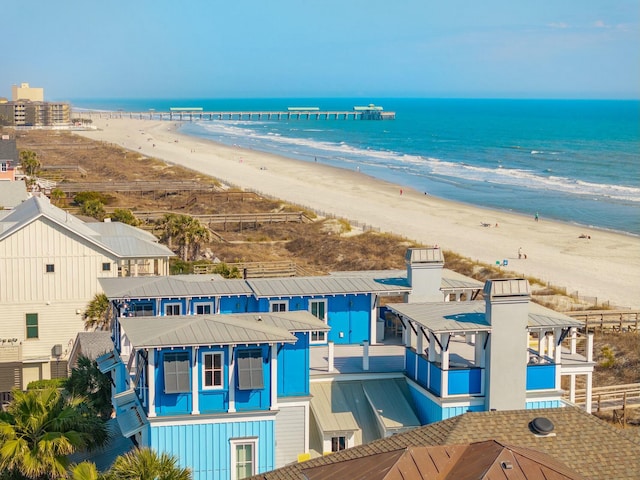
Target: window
[338,443]
[3,166]
[172,309]
[212,372]
[106,267]
[318,308]
[32,325]
[50,268]
[176,372]
[278,306]
[250,376]
[203,309]
[142,310]
[243,458]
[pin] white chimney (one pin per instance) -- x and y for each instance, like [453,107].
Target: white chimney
[424,273]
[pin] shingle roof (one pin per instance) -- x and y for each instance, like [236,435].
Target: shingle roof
[479,461]
[582,442]
[94,344]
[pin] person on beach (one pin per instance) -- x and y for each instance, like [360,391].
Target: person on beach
[536,217]
[521,254]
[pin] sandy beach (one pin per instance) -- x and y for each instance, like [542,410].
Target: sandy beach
[605,266]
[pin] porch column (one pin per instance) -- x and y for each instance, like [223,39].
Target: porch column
[151,380]
[195,402]
[274,377]
[419,351]
[444,339]
[431,355]
[479,357]
[572,388]
[232,380]
[365,356]
[574,339]
[373,323]
[557,358]
[589,392]
[542,343]
[330,355]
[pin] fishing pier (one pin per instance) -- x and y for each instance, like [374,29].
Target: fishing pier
[292,113]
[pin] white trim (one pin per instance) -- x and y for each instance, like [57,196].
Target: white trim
[274,377]
[234,443]
[151,379]
[204,363]
[324,319]
[197,303]
[195,397]
[204,419]
[232,381]
[278,302]
[172,304]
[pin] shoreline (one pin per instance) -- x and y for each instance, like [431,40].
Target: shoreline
[605,266]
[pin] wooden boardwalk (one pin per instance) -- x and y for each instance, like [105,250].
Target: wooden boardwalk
[608,320]
[612,397]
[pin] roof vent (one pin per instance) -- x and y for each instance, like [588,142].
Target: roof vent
[541,426]
[506,465]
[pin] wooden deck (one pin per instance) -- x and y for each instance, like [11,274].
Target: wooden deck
[608,320]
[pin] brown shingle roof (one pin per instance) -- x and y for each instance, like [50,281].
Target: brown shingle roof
[582,442]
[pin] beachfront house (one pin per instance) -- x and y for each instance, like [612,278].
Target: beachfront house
[350,303]
[8,158]
[227,394]
[506,353]
[50,263]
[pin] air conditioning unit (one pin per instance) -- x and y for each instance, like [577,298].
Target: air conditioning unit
[56,351]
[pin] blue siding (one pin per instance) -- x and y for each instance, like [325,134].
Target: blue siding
[201,301]
[293,367]
[206,450]
[238,305]
[213,400]
[465,381]
[435,379]
[170,403]
[423,370]
[430,411]
[541,377]
[255,399]
[410,361]
[349,318]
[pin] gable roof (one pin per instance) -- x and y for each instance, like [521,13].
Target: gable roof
[582,442]
[325,285]
[479,461]
[173,286]
[8,149]
[225,329]
[120,240]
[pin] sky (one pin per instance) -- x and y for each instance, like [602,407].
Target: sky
[322,48]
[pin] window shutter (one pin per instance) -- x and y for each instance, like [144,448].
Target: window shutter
[250,374]
[176,373]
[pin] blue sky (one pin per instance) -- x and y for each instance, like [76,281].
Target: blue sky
[322,48]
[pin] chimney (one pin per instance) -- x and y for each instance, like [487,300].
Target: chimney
[424,273]
[507,311]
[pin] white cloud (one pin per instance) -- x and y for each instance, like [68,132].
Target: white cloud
[559,25]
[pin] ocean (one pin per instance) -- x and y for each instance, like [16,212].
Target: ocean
[574,161]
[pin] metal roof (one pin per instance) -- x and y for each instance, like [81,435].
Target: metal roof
[450,280]
[327,285]
[331,409]
[471,316]
[424,255]
[390,405]
[173,286]
[226,329]
[12,194]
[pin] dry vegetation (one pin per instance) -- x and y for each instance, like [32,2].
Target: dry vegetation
[320,246]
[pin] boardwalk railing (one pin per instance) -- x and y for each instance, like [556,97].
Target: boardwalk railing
[612,320]
[258,269]
[232,218]
[612,397]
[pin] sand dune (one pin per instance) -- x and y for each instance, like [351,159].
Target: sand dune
[606,266]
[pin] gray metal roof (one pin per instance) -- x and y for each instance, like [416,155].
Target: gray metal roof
[327,285]
[456,281]
[450,280]
[172,286]
[227,329]
[471,316]
[12,194]
[445,317]
[8,150]
[424,255]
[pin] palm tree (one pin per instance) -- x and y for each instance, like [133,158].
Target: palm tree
[171,228]
[97,316]
[85,471]
[198,234]
[146,464]
[40,428]
[29,161]
[87,380]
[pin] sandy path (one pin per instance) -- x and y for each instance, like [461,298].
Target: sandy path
[607,266]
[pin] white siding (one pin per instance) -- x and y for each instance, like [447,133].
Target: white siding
[290,433]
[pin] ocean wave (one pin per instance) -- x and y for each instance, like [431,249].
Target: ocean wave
[416,165]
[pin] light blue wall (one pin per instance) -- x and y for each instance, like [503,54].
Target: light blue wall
[349,318]
[465,381]
[544,404]
[293,367]
[429,411]
[206,450]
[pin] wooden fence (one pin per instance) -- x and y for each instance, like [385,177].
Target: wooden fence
[610,398]
[608,320]
[274,269]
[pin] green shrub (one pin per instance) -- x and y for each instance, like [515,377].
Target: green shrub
[51,383]
[81,198]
